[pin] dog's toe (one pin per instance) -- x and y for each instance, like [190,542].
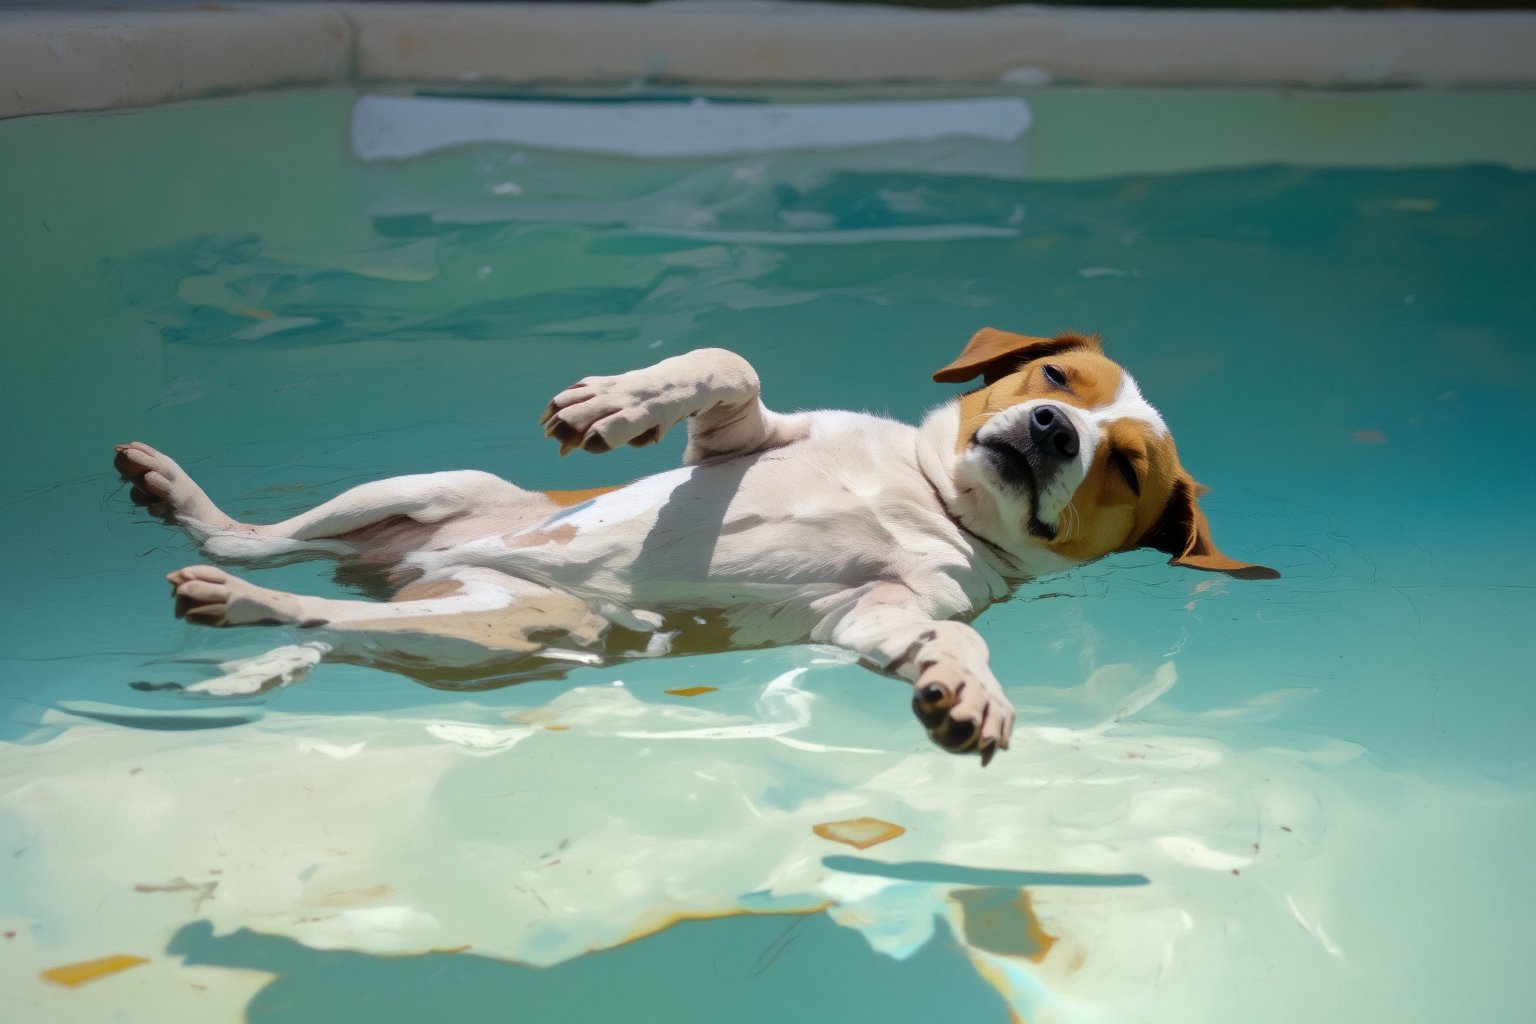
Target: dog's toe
[202,594]
[962,710]
[132,461]
[955,735]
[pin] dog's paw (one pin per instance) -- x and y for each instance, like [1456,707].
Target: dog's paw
[598,414]
[960,702]
[209,596]
[162,486]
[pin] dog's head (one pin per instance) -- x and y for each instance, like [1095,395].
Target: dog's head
[1059,450]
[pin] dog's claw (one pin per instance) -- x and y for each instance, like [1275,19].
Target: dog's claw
[598,414]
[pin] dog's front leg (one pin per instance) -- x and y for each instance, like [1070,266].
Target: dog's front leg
[954,693]
[716,390]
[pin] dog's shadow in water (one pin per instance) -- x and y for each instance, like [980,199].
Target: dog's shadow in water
[745,969]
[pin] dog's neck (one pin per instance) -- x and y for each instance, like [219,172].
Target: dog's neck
[971,505]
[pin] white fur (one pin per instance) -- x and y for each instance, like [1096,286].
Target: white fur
[1130,405]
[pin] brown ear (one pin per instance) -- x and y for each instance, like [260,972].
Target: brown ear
[993,354]
[1184,533]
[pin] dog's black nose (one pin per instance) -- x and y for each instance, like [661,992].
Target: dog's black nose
[1052,433]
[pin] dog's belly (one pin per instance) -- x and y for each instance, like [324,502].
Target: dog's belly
[698,537]
[760,539]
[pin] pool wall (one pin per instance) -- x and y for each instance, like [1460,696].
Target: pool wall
[54,60]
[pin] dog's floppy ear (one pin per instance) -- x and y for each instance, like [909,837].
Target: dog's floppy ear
[1184,533]
[993,354]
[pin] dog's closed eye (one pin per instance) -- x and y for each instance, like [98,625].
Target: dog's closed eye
[1127,469]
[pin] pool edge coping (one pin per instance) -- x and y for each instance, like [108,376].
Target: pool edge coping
[57,61]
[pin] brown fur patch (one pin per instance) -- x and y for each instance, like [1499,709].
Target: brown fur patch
[565,499]
[1105,514]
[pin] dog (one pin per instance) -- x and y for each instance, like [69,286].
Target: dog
[832,527]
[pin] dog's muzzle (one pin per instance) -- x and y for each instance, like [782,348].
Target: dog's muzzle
[1030,450]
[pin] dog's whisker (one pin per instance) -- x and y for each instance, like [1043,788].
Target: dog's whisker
[1069,522]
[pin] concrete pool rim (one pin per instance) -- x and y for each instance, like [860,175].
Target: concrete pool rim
[73,60]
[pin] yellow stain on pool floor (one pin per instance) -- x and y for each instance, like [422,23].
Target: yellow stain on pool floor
[860,833]
[71,975]
[691,691]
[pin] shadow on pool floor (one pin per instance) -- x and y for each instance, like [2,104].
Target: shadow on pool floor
[745,969]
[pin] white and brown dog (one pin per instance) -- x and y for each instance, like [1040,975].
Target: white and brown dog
[829,526]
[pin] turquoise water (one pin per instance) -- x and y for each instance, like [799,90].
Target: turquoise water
[1227,801]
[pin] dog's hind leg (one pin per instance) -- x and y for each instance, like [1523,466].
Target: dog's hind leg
[166,489]
[423,499]
[469,618]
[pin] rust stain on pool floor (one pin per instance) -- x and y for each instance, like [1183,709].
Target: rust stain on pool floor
[1003,921]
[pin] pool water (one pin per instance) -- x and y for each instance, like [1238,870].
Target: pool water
[1226,801]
